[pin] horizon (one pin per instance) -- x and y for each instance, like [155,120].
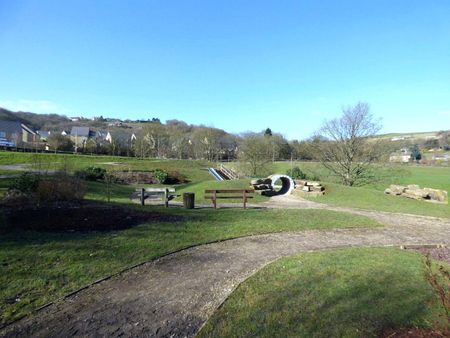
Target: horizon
[235,67]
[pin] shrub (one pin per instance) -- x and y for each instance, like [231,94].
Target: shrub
[296,173]
[174,177]
[161,175]
[60,189]
[92,173]
[26,183]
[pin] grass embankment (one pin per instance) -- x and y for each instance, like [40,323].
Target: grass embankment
[193,170]
[37,267]
[372,196]
[339,293]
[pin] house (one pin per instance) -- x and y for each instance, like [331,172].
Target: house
[44,135]
[402,156]
[444,158]
[120,137]
[16,133]
[80,135]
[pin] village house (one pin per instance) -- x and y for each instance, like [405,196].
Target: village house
[14,133]
[80,135]
[401,156]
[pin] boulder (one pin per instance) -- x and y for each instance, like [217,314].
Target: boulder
[300,183]
[262,187]
[395,189]
[417,194]
[437,195]
[413,187]
[267,181]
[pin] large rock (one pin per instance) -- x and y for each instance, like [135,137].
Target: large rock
[437,195]
[417,194]
[395,189]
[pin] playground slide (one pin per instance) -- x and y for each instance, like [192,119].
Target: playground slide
[216,175]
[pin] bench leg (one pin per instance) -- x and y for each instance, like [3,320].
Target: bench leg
[166,198]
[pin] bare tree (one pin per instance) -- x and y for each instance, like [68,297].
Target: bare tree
[255,151]
[345,146]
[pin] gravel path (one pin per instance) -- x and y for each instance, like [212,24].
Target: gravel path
[173,296]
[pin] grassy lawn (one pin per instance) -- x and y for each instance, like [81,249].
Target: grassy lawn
[37,267]
[193,170]
[372,196]
[338,293]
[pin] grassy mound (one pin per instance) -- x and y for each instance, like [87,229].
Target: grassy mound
[338,293]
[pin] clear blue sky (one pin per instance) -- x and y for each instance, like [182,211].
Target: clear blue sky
[236,65]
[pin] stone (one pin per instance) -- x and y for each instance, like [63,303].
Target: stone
[413,187]
[416,194]
[437,195]
[300,183]
[396,189]
[306,188]
[267,181]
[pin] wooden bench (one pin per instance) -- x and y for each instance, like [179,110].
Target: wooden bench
[215,194]
[163,193]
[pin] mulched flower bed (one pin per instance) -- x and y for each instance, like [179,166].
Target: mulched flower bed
[80,217]
[440,254]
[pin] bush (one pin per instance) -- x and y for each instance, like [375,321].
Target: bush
[296,173]
[161,175]
[61,189]
[26,183]
[92,174]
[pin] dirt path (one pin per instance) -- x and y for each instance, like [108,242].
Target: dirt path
[174,296]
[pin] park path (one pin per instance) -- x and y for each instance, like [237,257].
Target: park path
[174,295]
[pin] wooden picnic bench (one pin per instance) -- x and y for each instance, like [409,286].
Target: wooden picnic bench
[150,193]
[215,194]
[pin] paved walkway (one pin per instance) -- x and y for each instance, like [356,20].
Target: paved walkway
[173,296]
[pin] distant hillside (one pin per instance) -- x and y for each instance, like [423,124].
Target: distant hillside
[52,122]
[417,136]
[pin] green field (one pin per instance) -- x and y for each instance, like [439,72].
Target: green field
[372,196]
[38,267]
[337,293]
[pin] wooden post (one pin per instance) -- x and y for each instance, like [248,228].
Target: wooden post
[215,199]
[245,199]
[142,196]
[166,198]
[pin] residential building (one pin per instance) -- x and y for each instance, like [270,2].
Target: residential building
[17,133]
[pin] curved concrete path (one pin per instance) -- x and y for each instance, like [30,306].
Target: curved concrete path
[173,296]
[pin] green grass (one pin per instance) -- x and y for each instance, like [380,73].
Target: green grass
[338,293]
[372,196]
[37,267]
[369,198]
[193,170]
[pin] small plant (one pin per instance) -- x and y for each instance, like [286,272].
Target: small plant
[296,173]
[440,283]
[26,183]
[92,174]
[160,175]
[63,188]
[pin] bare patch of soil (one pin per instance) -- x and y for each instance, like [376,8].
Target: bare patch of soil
[440,254]
[414,333]
[81,217]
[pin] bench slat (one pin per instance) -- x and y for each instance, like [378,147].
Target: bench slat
[228,197]
[228,191]
[161,190]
